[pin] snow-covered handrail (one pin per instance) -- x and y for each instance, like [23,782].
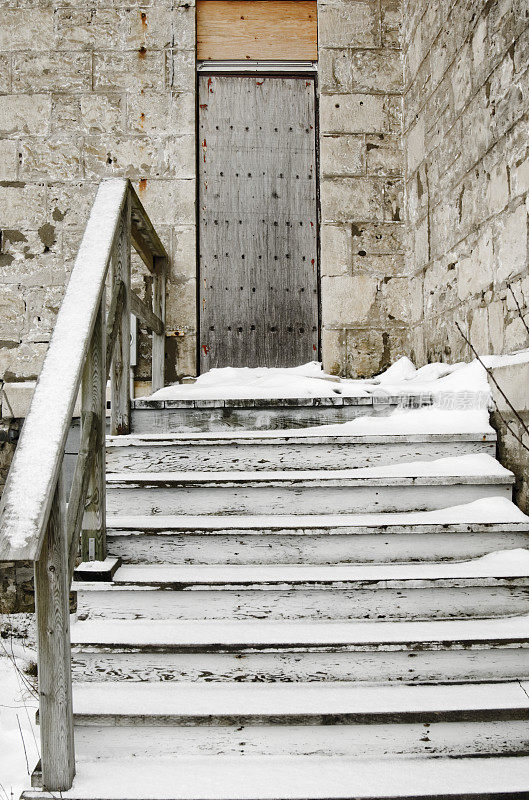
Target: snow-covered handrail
[85,346]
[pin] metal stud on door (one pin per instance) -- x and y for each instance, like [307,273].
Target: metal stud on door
[257,221]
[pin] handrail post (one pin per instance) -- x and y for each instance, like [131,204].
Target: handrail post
[120,373]
[53,626]
[158,340]
[93,393]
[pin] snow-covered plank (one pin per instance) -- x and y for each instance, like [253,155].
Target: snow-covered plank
[28,494]
[108,742]
[190,634]
[297,702]
[311,778]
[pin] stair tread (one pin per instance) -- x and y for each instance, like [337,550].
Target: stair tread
[280,699]
[297,778]
[293,435]
[487,512]
[507,564]
[271,633]
[474,468]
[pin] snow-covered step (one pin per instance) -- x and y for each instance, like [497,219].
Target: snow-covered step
[291,449]
[343,719]
[187,416]
[393,487]
[269,650]
[458,532]
[310,778]
[497,584]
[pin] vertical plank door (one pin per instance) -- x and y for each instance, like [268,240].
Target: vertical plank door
[258,273]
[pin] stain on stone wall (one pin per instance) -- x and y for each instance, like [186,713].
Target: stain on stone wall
[365,309]
[467,175]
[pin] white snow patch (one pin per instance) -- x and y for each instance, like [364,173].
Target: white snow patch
[17,723]
[439,380]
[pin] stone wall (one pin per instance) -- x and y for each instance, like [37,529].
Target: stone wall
[90,90]
[365,309]
[466,136]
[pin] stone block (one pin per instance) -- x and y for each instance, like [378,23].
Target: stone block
[183,264]
[390,264]
[361,70]
[180,356]
[515,336]
[512,244]
[384,155]
[351,200]
[461,78]
[181,310]
[336,249]
[42,309]
[496,313]
[476,272]
[333,350]
[415,148]
[359,113]
[102,113]
[124,156]
[498,188]
[31,258]
[180,70]
[49,159]
[161,114]
[161,26]
[396,300]
[5,73]
[22,362]
[416,297]
[130,71]
[377,238]
[22,204]
[391,23]
[168,202]
[394,200]
[8,160]
[479,330]
[52,71]
[342,155]
[21,30]
[90,28]
[24,114]
[367,352]
[12,313]
[421,243]
[348,299]
[69,204]
[342,23]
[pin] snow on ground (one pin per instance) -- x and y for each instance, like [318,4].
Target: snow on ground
[19,742]
[308,380]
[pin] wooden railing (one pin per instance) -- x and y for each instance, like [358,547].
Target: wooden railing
[36,521]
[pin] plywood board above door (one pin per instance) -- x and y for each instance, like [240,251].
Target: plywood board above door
[257,30]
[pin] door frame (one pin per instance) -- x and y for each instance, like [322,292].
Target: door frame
[288,69]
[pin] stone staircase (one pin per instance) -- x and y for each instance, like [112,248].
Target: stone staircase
[303,615]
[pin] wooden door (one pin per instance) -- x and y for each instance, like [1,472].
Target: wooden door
[258,273]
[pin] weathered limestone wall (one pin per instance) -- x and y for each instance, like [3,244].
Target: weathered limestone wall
[466,134]
[365,309]
[91,89]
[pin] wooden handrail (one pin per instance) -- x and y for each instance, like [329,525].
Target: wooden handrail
[35,523]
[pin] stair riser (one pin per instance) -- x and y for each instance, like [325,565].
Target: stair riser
[369,664]
[288,499]
[287,548]
[117,741]
[197,420]
[247,456]
[376,603]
